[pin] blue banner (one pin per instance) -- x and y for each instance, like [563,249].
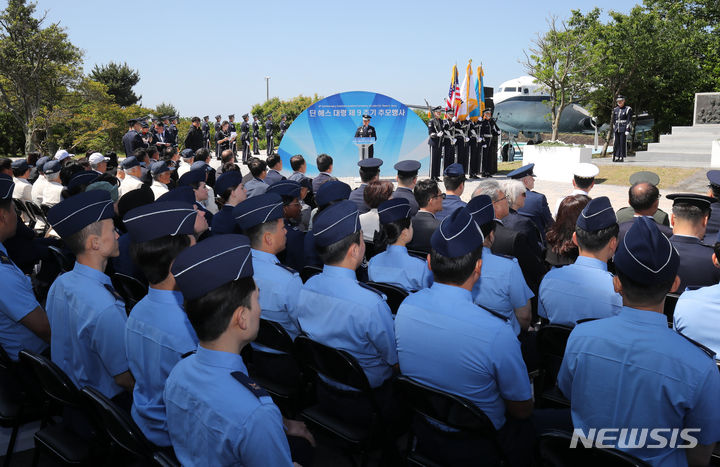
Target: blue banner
[328,126]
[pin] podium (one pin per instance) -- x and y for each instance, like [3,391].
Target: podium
[363,144]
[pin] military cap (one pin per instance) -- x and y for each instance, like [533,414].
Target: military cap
[206,116]
[135,198]
[283,116]
[20,164]
[227,180]
[191,177]
[487,111]
[165,117]
[408,166]
[6,186]
[145,124]
[713,177]
[371,163]
[394,210]
[52,167]
[482,209]
[457,235]
[231,116]
[332,190]
[174,117]
[646,255]
[437,108]
[620,97]
[105,186]
[454,170]
[96,158]
[133,121]
[212,263]
[130,162]
[245,116]
[160,124]
[366,117]
[40,163]
[258,210]
[159,167]
[522,172]
[289,188]
[62,154]
[181,193]
[336,222]
[701,201]
[200,165]
[84,177]
[586,170]
[159,219]
[187,153]
[598,214]
[645,176]
[218,116]
[73,214]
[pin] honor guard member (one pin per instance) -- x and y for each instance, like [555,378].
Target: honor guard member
[274,164]
[335,309]
[330,193]
[324,164]
[394,265]
[407,172]
[133,172]
[283,127]
[261,219]
[630,370]
[583,180]
[84,310]
[161,177]
[269,131]
[713,225]
[628,212]
[289,191]
[536,205]
[454,180]
[132,139]
[435,132]
[256,135]
[621,123]
[23,321]
[222,139]
[462,139]
[230,188]
[217,124]
[205,128]
[501,286]
[474,150]
[155,341]
[245,138]
[488,130]
[448,140]
[216,414]
[696,312]
[369,172]
[256,185]
[447,342]
[424,223]
[689,218]
[584,289]
[145,134]
[231,123]
[173,131]
[367,131]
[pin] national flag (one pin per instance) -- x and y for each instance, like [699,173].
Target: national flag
[453,100]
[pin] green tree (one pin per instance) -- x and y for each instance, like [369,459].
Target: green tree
[292,108]
[166,109]
[119,80]
[37,65]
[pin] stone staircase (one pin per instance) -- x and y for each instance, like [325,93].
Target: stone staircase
[689,145]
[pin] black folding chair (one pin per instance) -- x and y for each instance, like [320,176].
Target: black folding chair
[671,300]
[64,261]
[555,451]
[309,271]
[42,226]
[62,441]
[395,295]
[551,342]
[122,430]
[343,368]
[129,288]
[418,254]
[23,212]
[432,407]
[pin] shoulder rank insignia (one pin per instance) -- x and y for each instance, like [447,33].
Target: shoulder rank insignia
[187,354]
[706,350]
[4,259]
[494,313]
[114,293]
[251,385]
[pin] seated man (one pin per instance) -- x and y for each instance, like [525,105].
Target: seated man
[290,192]
[160,172]
[454,180]
[584,289]
[644,198]
[631,371]
[446,341]
[369,172]
[133,173]
[299,167]
[52,191]
[23,322]
[407,172]
[424,224]
[256,185]
[86,314]
[158,333]
[216,414]
[274,164]
[629,212]
[21,172]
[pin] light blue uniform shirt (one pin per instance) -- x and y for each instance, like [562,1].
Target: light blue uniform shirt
[631,371]
[578,291]
[697,315]
[501,287]
[446,341]
[157,335]
[16,302]
[335,310]
[215,420]
[450,204]
[87,322]
[278,291]
[395,266]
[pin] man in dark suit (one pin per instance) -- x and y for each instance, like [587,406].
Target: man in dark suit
[132,139]
[644,199]
[369,171]
[324,165]
[407,172]
[713,226]
[195,138]
[689,220]
[274,164]
[536,206]
[429,199]
[160,137]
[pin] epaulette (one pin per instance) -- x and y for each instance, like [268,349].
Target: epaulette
[251,385]
[114,293]
[494,313]
[287,268]
[372,289]
[506,256]
[187,354]
[707,351]
[4,259]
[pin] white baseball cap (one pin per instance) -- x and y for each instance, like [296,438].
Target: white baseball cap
[62,154]
[96,158]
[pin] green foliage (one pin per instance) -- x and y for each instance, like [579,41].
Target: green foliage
[119,80]
[166,109]
[292,108]
[12,139]
[423,114]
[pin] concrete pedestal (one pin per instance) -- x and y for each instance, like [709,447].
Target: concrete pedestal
[555,163]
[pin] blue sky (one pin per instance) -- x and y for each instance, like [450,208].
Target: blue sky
[211,57]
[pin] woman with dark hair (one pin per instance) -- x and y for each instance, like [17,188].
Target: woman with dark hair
[561,249]
[375,193]
[394,265]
